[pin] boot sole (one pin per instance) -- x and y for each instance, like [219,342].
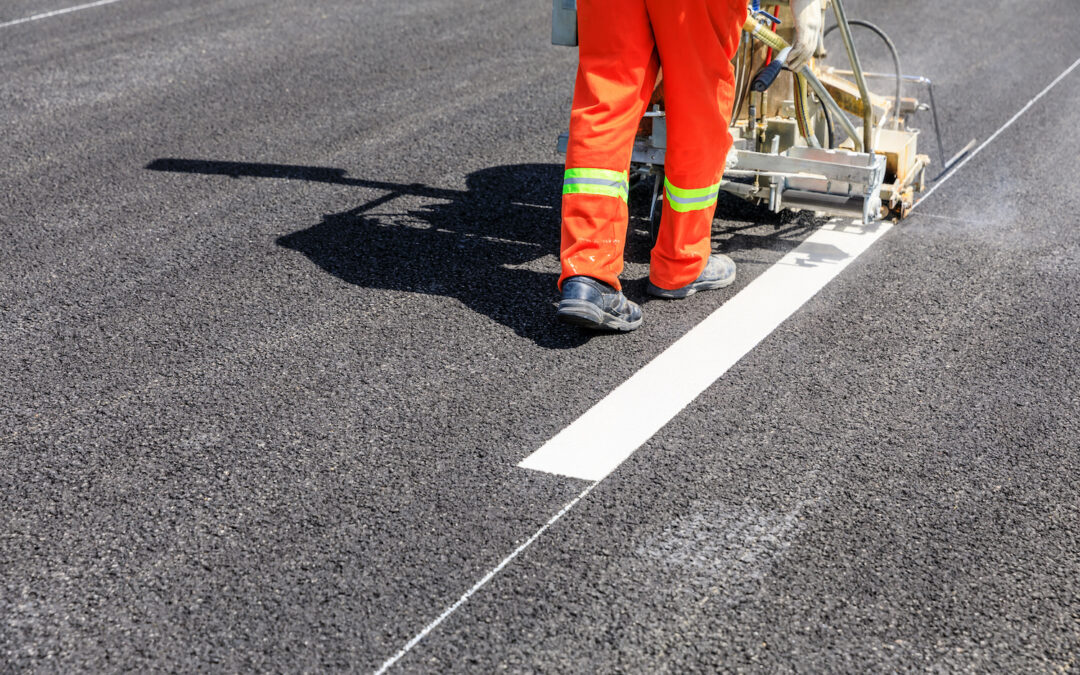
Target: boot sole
[587,315]
[687,291]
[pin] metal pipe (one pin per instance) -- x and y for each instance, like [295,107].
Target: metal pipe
[860,81]
[833,107]
[916,79]
[937,127]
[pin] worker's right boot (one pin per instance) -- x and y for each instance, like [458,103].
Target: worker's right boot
[719,272]
[593,304]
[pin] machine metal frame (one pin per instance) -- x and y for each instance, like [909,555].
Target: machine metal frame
[785,156]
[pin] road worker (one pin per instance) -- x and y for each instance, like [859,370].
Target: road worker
[622,46]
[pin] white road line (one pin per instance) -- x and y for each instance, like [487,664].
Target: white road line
[1012,120]
[57,12]
[601,439]
[812,256]
[480,584]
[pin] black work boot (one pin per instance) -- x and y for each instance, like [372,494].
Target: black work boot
[718,272]
[593,304]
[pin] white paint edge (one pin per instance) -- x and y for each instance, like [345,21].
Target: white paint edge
[506,561]
[57,12]
[480,584]
[601,439]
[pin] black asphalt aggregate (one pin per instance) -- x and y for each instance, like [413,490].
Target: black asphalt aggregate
[277,326]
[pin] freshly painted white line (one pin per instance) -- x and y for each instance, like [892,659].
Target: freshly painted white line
[601,439]
[1012,120]
[480,584]
[57,12]
[598,441]
[810,256]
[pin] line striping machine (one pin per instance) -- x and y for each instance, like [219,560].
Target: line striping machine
[819,139]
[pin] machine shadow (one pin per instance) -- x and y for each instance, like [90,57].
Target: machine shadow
[485,245]
[492,246]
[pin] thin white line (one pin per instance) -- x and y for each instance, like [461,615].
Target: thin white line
[57,12]
[997,133]
[480,584]
[608,433]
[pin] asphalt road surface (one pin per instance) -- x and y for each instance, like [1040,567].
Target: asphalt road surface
[276,327]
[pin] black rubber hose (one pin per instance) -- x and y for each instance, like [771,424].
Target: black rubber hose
[766,76]
[895,57]
[829,126]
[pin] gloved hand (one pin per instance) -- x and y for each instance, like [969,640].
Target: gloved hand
[808,22]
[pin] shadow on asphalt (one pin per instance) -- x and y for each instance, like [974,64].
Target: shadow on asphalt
[481,245]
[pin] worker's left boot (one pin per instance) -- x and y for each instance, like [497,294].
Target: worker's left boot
[719,272]
[593,304]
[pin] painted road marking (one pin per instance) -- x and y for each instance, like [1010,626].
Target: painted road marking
[601,439]
[609,432]
[57,12]
[566,509]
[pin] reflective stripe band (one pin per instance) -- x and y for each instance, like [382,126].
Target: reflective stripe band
[696,204]
[690,200]
[604,174]
[687,194]
[596,182]
[608,190]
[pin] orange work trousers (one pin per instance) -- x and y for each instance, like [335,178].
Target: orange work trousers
[623,44]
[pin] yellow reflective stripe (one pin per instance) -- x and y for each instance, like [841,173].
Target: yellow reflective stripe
[695,206]
[596,182]
[688,194]
[595,173]
[587,189]
[683,200]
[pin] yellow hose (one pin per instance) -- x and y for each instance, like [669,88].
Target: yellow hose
[802,112]
[765,34]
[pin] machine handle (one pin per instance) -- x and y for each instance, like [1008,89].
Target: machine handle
[765,77]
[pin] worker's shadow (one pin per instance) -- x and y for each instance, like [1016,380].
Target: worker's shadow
[493,246]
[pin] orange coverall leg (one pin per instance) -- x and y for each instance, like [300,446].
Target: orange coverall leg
[622,45]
